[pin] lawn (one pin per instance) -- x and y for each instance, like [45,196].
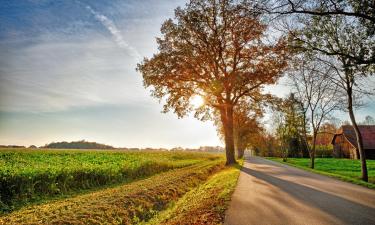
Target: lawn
[344,169]
[193,194]
[28,176]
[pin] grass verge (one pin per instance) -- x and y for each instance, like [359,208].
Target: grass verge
[132,203]
[344,169]
[205,204]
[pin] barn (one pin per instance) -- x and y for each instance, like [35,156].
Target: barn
[345,144]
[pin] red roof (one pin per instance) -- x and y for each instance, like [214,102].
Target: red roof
[367,132]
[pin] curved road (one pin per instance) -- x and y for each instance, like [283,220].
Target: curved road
[272,193]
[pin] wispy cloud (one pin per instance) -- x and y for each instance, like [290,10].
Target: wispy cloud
[60,75]
[115,32]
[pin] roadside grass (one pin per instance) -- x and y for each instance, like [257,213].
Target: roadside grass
[344,169]
[136,202]
[34,176]
[205,204]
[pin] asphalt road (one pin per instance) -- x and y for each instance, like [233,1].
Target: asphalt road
[272,193]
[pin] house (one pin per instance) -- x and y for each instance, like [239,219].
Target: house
[345,143]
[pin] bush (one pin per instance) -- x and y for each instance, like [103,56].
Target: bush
[323,151]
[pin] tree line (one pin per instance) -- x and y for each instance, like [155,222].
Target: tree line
[77,145]
[228,51]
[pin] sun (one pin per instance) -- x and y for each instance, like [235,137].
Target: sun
[196,101]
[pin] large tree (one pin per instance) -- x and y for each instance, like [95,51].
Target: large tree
[215,49]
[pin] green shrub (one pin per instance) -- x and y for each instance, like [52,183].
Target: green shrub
[323,151]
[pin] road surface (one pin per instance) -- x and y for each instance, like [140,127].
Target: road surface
[272,193]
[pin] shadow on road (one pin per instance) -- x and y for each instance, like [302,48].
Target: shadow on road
[340,208]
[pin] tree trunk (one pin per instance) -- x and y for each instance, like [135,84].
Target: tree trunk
[284,151]
[238,146]
[305,134]
[358,136]
[240,152]
[227,120]
[312,153]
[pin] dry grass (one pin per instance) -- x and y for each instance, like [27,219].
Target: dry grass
[205,204]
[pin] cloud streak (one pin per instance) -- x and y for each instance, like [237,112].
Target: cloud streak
[115,32]
[59,75]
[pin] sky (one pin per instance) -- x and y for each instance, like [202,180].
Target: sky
[67,73]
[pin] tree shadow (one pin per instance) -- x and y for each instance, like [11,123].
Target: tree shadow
[344,210]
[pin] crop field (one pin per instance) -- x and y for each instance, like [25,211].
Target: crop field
[344,169]
[185,184]
[28,176]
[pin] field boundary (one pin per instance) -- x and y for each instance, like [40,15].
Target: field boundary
[204,204]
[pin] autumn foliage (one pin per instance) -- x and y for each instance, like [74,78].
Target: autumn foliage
[218,50]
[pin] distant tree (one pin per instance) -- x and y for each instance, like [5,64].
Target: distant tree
[369,120]
[326,133]
[12,146]
[217,50]
[77,145]
[269,143]
[246,129]
[282,133]
[265,144]
[246,126]
[288,119]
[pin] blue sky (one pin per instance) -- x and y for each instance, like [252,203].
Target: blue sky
[67,72]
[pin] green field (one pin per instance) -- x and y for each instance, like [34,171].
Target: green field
[31,175]
[344,169]
[121,187]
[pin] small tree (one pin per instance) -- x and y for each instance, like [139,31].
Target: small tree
[289,121]
[369,120]
[311,81]
[282,133]
[214,49]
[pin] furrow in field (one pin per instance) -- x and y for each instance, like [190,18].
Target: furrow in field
[127,204]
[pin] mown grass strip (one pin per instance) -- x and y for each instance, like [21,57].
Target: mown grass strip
[127,204]
[205,204]
[344,169]
[29,176]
